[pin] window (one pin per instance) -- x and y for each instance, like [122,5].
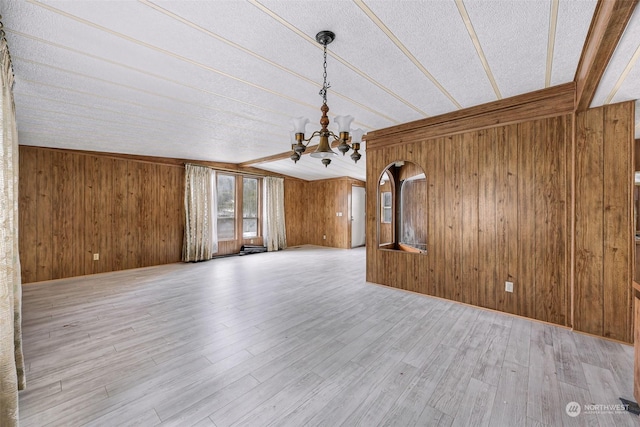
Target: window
[243,192]
[249,207]
[226,207]
[386,207]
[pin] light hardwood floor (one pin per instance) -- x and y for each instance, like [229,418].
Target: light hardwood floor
[299,338]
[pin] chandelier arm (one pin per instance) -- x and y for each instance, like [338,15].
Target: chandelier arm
[335,137]
[313,135]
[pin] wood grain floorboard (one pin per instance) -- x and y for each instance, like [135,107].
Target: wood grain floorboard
[299,338]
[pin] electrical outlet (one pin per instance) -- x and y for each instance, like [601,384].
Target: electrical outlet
[96,257]
[508,286]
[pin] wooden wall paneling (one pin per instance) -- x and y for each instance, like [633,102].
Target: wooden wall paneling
[501,236]
[163,219]
[28,213]
[452,224]
[618,232]
[436,215]
[175,209]
[340,229]
[557,231]
[322,208]
[89,195]
[548,223]
[44,185]
[315,214]
[421,263]
[64,245]
[588,297]
[511,213]
[80,220]
[305,215]
[487,218]
[569,136]
[332,223]
[146,219]
[158,216]
[103,211]
[540,218]
[506,214]
[134,211]
[294,206]
[73,205]
[525,285]
[119,218]
[371,222]
[470,197]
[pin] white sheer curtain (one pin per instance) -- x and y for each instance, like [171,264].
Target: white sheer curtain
[12,376]
[201,207]
[275,235]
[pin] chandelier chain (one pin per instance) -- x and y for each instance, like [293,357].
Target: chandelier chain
[325,85]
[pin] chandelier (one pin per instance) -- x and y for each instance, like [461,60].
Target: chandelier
[347,141]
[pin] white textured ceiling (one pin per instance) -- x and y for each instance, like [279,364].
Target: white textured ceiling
[220,80]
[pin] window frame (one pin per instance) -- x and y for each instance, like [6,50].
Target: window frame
[235,207]
[258,202]
[386,209]
[238,207]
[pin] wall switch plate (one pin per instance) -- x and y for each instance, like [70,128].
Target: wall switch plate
[324,237]
[96,257]
[508,286]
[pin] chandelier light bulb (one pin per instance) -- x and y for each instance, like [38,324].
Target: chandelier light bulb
[299,124]
[344,123]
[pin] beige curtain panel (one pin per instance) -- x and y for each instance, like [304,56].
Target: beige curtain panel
[200,230]
[275,235]
[12,376]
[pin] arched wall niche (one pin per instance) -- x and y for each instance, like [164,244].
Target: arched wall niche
[402,205]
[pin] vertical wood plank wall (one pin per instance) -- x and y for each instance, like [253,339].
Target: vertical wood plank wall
[310,212]
[73,205]
[604,242]
[131,213]
[497,211]
[500,208]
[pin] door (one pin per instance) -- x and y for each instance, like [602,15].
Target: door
[357,216]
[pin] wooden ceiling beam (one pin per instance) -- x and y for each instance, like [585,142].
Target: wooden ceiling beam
[607,26]
[281,156]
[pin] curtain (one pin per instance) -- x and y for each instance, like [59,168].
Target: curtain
[275,235]
[201,210]
[12,376]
